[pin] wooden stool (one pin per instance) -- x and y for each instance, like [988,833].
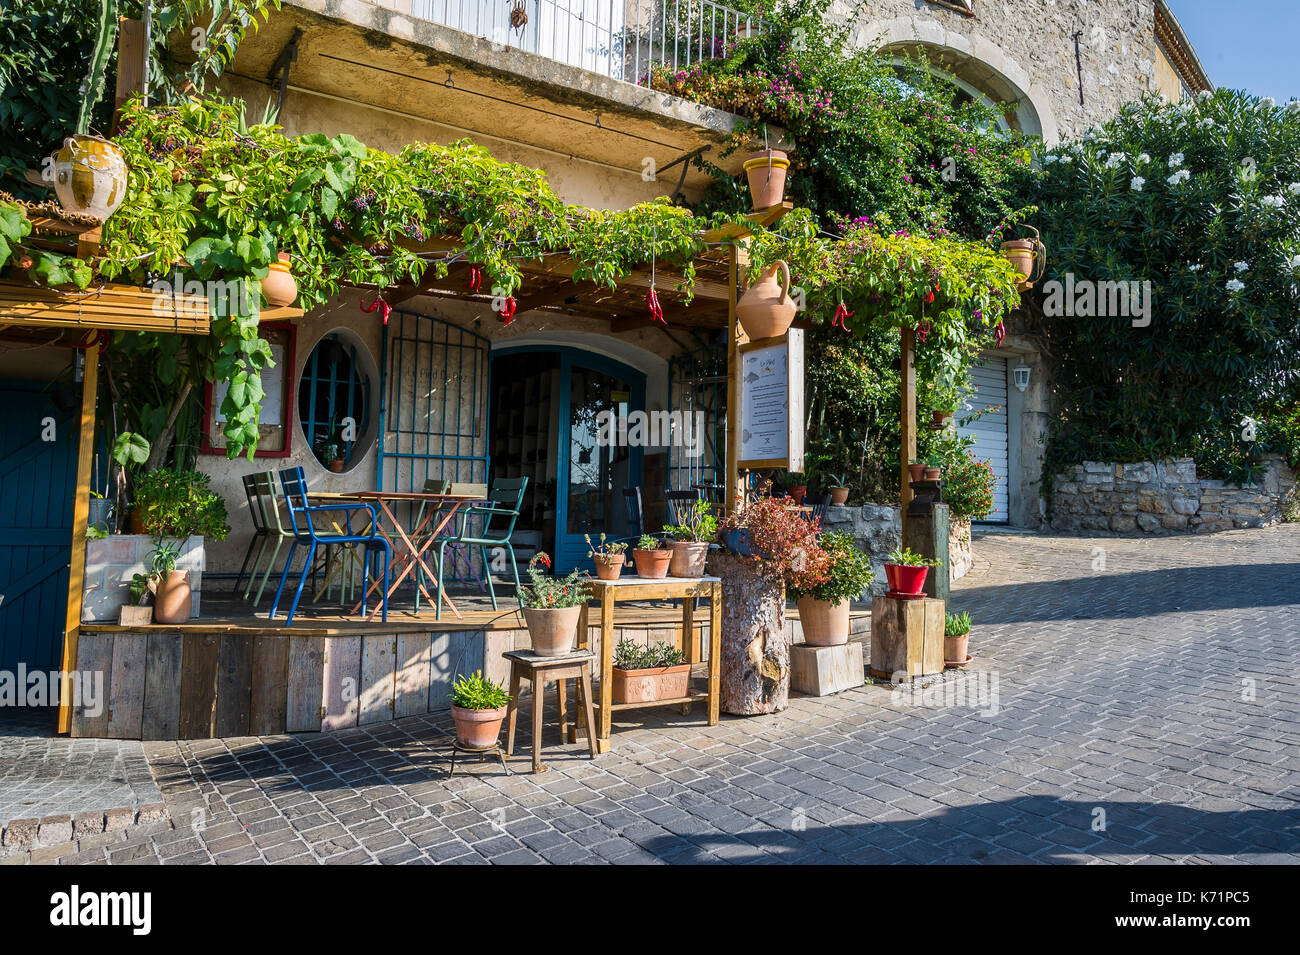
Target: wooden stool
[539,671]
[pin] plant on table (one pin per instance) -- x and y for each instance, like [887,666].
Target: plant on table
[478,705]
[609,557]
[824,606]
[646,674]
[652,555]
[691,537]
[906,571]
[956,634]
[552,606]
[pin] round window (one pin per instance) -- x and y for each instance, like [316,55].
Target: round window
[334,400]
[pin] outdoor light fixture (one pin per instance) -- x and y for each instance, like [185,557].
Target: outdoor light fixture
[1020,375]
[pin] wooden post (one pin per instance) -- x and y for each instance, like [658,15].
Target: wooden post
[80,520]
[907,419]
[737,258]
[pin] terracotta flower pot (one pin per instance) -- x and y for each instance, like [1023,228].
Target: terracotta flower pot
[930,474]
[478,729]
[652,564]
[839,495]
[651,684]
[939,419]
[336,465]
[172,599]
[825,624]
[280,287]
[766,171]
[609,568]
[552,630]
[954,649]
[916,472]
[90,176]
[688,558]
[904,579]
[798,493]
[766,309]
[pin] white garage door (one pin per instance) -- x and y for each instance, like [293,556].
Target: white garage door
[989,378]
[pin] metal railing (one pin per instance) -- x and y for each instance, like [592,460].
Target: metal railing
[621,39]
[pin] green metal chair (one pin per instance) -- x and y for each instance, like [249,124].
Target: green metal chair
[504,501]
[264,501]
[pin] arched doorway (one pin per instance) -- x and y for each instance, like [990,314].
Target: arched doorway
[554,418]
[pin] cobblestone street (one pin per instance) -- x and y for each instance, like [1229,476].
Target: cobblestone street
[1146,710]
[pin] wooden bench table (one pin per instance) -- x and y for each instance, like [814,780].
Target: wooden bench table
[630,587]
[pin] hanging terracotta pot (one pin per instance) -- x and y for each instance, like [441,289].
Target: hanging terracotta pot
[766,309]
[280,288]
[90,176]
[172,598]
[1029,256]
[766,170]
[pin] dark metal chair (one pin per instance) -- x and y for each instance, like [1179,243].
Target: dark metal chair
[635,514]
[818,504]
[505,501]
[680,504]
[305,533]
[258,539]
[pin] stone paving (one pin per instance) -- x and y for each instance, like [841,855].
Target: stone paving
[1146,710]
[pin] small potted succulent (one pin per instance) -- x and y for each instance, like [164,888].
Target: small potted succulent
[172,596]
[478,707]
[649,674]
[330,453]
[956,636]
[906,571]
[933,469]
[824,607]
[609,557]
[691,539]
[838,490]
[552,606]
[652,555]
[916,470]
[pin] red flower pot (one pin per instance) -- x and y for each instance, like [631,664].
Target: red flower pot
[904,579]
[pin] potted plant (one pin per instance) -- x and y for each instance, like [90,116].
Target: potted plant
[649,674]
[933,469]
[652,556]
[824,607]
[838,490]
[916,470]
[328,451]
[906,571]
[172,596]
[766,170]
[552,606]
[478,707]
[797,485]
[691,538]
[609,558]
[956,635]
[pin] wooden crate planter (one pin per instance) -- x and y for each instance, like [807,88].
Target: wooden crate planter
[906,637]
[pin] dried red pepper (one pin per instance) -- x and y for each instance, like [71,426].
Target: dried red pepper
[475,278]
[384,308]
[508,309]
[842,316]
[999,333]
[652,303]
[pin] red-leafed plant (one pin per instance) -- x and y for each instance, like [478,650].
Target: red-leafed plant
[779,541]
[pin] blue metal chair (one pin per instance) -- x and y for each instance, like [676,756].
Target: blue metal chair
[505,501]
[305,533]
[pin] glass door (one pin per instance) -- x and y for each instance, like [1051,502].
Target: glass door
[596,463]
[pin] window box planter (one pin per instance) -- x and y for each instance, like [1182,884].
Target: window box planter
[652,684]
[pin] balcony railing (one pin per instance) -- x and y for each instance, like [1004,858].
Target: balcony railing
[621,39]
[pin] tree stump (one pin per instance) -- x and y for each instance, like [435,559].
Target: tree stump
[755,652]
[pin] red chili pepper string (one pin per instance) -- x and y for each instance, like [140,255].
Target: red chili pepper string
[923,329]
[475,278]
[652,303]
[508,309]
[842,316]
[384,308]
[999,333]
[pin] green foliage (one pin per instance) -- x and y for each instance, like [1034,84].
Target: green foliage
[161,563]
[93,85]
[698,523]
[907,558]
[552,593]
[968,486]
[180,504]
[477,692]
[1202,199]
[130,449]
[956,624]
[647,542]
[848,571]
[633,656]
[604,552]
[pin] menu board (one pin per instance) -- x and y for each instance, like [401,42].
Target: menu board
[771,403]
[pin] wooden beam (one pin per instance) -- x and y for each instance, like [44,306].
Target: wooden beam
[736,336]
[907,419]
[80,521]
[131,63]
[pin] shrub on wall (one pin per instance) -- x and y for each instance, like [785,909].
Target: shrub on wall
[1200,199]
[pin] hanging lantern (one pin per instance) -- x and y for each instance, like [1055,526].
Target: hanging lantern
[1029,256]
[1020,376]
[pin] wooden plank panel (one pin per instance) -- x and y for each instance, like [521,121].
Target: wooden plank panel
[95,658]
[304,701]
[411,679]
[162,687]
[198,684]
[126,701]
[270,682]
[342,682]
[378,660]
[234,685]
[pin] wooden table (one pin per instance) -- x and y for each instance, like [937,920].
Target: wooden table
[631,587]
[406,552]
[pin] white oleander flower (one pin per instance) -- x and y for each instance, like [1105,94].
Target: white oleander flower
[1181,175]
[1268,101]
[1203,95]
[1234,285]
[1274,202]
[1144,158]
[1207,123]
[1175,160]
[1241,266]
[1295,263]
[1294,188]
[1195,268]
[1137,182]
[1294,105]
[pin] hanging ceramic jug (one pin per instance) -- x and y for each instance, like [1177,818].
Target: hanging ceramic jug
[280,287]
[90,176]
[1028,256]
[766,309]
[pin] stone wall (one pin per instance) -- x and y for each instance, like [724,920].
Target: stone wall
[877,530]
[1165,497]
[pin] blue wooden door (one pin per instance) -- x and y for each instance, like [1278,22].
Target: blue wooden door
[37,483]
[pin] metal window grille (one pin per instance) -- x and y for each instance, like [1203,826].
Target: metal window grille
[697,383]
[333,390]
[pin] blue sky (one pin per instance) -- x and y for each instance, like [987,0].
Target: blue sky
[1246,44]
